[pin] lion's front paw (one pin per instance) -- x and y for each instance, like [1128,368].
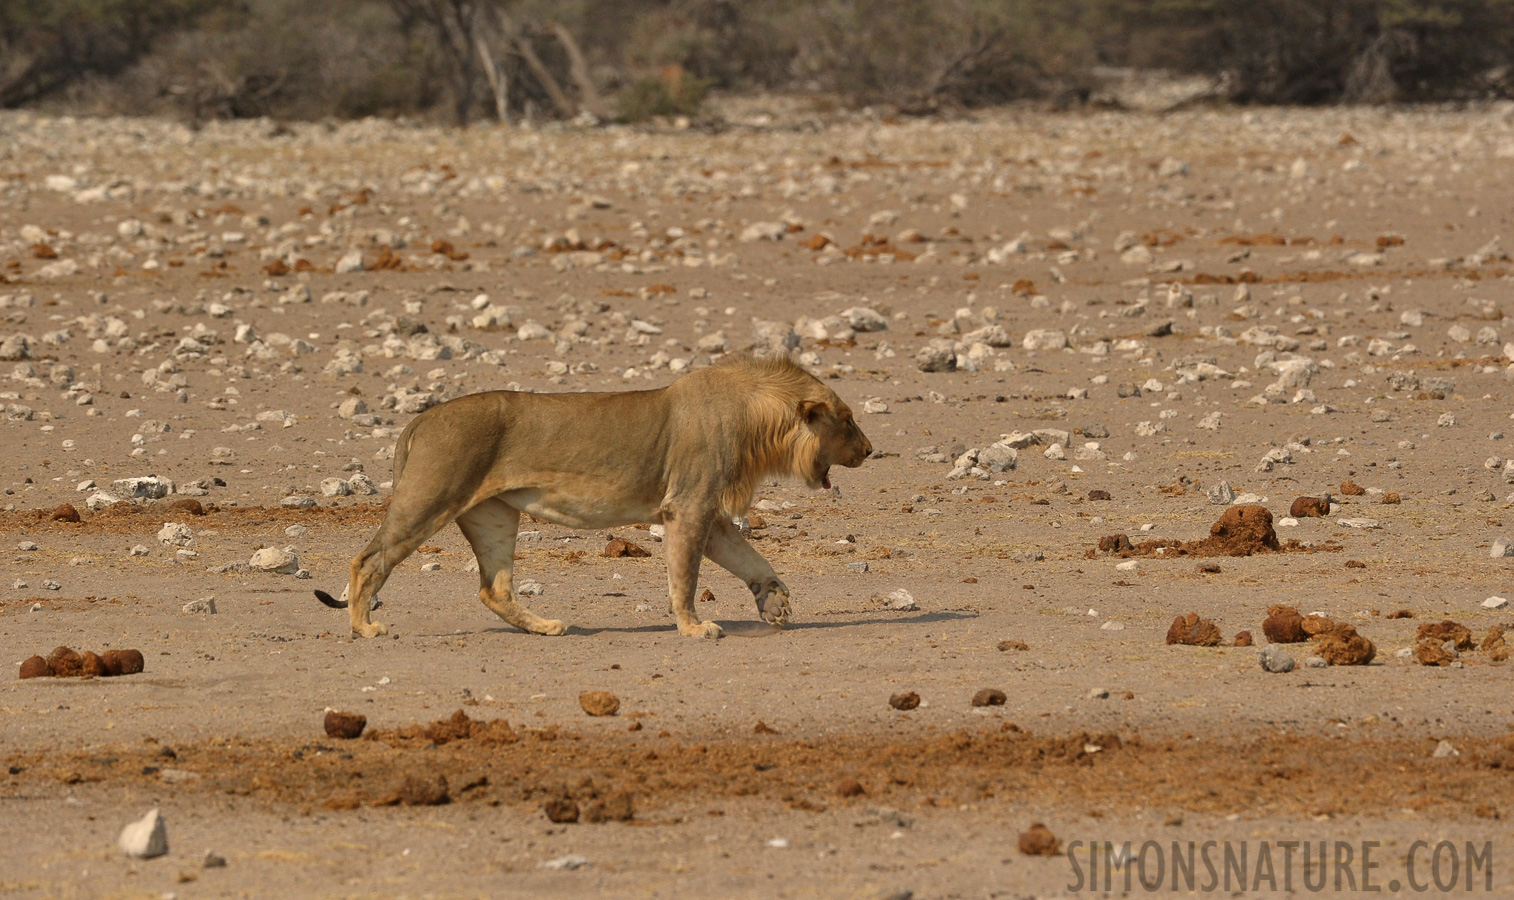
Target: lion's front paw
[701,629]
[372,629]
[550,627]
[773,605]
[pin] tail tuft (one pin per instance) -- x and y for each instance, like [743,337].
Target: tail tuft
[330,600]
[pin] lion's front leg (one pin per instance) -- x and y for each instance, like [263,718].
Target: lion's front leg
[730,550]
[685,542]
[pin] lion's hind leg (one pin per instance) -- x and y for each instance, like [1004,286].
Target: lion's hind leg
[728,549]
[490,528]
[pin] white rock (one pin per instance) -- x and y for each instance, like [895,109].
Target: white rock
[140,550]
[1221,494]
[1044,339]
[1445,750]
[173,534]
[272,559]
[99,500]
[763,231]
[1130,565]
[566,863]
[202,606]
[145,838]
[149,487]
[335,487]
[901,600]
[1501,548]
[1495,603]
[351,261]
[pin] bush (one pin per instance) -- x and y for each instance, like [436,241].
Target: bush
[672,93]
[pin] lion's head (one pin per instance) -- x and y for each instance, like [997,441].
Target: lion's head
[838,439]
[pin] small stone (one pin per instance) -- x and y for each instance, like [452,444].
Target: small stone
[1275,660]
[904,702]
[900,600]
[295,531]
[1495,603]
[335,487]
[36,667]
[1445,750]
[1502,547]
[1098,693]
[1039,841]
[27,546]
[49,584]
[989,697]
[213,860]
[858,567]
[145,838]
[297,502]
[140,550]
[346,726]
[1221,494]
[599,703]
[1315,662]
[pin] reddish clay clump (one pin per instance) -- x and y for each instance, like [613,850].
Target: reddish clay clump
[345,725]
[1445,630]
[65,513]
[1284,625]
[1309,508]
[1194,631]
[1039,841]
[1342,646]
[91,666]
[131,661]
[904,702]
[64,662]
[1315,624]
[1243,639]
[1429,652]
[1244,530]
[620,547]
[1352,489]
[36,667]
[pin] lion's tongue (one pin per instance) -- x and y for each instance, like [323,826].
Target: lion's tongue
[825,481]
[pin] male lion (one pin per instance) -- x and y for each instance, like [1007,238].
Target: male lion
[689,456]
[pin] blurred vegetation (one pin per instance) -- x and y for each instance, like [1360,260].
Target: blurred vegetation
[470,59]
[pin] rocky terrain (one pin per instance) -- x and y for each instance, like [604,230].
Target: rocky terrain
[1137,384]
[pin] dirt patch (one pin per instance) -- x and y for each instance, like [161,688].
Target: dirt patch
[1004,764]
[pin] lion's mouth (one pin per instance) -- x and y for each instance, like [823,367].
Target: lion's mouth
[825,478]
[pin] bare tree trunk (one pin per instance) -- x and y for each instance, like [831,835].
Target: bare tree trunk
[588,96]
[499,81]
[561,100]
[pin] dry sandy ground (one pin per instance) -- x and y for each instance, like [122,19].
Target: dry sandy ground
[1336,298]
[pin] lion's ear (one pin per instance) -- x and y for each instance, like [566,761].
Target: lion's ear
[810,410]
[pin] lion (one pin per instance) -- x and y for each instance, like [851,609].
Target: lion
[688,456]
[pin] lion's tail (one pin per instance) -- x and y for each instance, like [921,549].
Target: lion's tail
[330,600]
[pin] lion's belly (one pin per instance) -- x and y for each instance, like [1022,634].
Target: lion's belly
[580,510]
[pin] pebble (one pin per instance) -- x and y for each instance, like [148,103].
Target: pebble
[295,531]
[173,534]
[1502,547]
[901,600]
[27,546]
[566,863]
[1221,494]
[1445,750]
[1276,660]
[145,838]
[1315,662]
[1098,693]
[202,606]
[1495,603]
